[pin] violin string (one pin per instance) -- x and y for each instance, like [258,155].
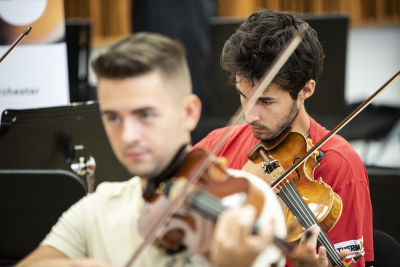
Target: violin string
[214,207]
[295,204]
[322,237]
[206,204]
[299,203]
[306,210]
[287,198]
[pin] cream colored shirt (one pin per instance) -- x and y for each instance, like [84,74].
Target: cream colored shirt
[104,226]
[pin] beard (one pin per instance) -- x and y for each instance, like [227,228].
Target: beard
[284,122]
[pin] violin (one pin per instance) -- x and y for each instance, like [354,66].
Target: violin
[217,189]
[308,212]
[307,201]
[270,159]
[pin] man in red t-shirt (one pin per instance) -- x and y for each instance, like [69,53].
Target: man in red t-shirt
[247,55]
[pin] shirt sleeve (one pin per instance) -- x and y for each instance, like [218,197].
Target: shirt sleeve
[68,234]
[353,230]
[205,143]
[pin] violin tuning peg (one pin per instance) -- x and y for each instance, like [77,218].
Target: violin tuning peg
[310,141]
[161,188]
[222,161]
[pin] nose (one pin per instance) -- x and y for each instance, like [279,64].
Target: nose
[131,132]
[253,114]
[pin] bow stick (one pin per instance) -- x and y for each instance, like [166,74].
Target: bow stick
[334,131]
[22,36]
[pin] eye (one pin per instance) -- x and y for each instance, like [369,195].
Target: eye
[267,102]
[113,119]
[146,115]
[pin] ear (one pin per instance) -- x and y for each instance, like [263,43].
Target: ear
[192,114]
[308,90]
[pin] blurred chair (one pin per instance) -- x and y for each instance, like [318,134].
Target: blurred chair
[31,201]
[384,186]
[373,123]
[386,250]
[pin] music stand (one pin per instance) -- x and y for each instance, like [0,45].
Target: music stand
[47,138]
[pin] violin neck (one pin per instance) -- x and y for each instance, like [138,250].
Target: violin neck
[296,204]
[211,207]
[206,204]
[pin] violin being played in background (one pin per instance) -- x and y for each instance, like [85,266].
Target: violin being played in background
[287,163]
[308,201]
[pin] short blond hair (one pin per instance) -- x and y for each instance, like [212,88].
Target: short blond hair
[143,53]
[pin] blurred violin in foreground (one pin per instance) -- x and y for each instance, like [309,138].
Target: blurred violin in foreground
[217,189]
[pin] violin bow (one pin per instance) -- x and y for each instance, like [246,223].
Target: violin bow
[20,38]
[265,80]
[363,105]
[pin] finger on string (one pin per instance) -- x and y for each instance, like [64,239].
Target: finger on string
[222,226]
[344,253]
[310,236]
[292,227]
[322,260]
[246,219]
[266,233]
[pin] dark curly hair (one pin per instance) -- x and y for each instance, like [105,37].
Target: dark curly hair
[256,43]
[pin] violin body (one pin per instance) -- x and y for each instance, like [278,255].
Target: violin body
[325,204]
[218,188]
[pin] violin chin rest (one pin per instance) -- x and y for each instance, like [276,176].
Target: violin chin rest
[271,211]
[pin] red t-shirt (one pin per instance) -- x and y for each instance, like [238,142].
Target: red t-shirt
[341,168]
